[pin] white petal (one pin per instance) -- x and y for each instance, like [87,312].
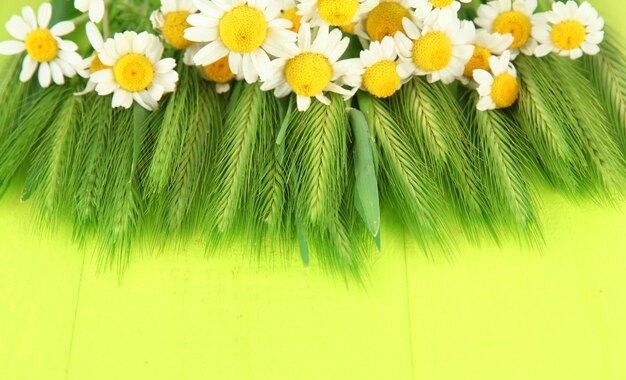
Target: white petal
[57,74]
[11,47]
[29,16]
[44,75]
[103,76]
[96,10]
[304,102]
[94,36]
[210,53]
[250,73]
[165,65]
[122,98]
[62,28]
[29,66]
[17,28]
[156,91]
[44,14]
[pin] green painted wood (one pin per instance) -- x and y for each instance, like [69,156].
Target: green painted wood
[481,313]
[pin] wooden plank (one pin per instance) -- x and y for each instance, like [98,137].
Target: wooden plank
[39,285]
[185,316]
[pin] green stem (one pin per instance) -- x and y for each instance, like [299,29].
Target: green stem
[60,11]
[140,116]
[106,32]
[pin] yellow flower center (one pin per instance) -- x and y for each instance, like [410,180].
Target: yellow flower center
[218,71]
[568,35]
[432,51]
[308,73]
[243,29]
[381,79]
[337,12]
[348,28]
[441,3]
[174,29]
[290,14]
[41,45]
[133,72]
[515,23]
[504,90]
[385,20]
[479,60]
[97,65]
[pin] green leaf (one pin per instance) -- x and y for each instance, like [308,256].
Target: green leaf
[304,245]
[317,163]
[367,200]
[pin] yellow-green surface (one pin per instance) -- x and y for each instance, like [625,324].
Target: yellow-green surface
[487,313]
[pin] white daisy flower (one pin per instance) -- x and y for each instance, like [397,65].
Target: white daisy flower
[569,30]
[56,58]
[289,11]
[218,72]
[334,12]
[385,19]
[485,45]
[94,7]
[381,75]
[498,88]
[247,31]
[424,7]
[92,64]
[515,18]
[171,21]
[440,50]
[312,68]
[136,70]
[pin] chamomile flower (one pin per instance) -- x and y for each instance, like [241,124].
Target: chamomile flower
[486,45]
[55,58]
[440,50]
[218,72]
[94,7]
[92,64]
[385,19]
[312,69]
[569,30]
[171,21]
[136,70]
[335,12]
[244,30]
[514,17]
[289,11]
[424,7]
[381,75]
[498,88]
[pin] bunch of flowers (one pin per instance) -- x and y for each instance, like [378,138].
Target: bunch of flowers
[297,47]
[420,82]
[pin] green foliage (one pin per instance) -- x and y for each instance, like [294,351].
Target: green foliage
[503,165]
[547,121]
[432,118]
[564,123]
[366,197]
[48,178]
[608,75]
[36,113]
[603,170]
[90,171]
[405,181]
[250,114]
[12,94]
[180,112]
[317,158]
[193,164]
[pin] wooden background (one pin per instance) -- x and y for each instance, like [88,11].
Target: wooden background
[486,313]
